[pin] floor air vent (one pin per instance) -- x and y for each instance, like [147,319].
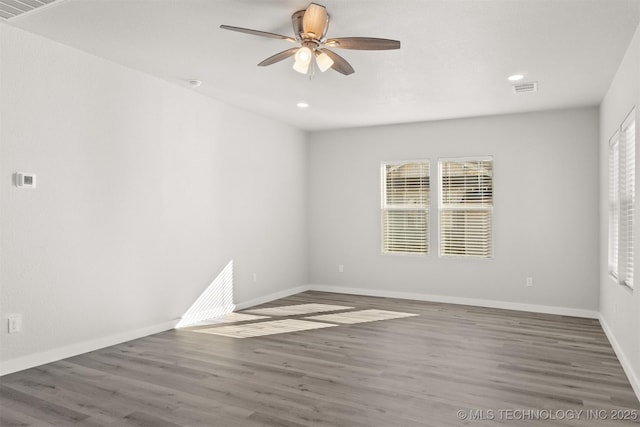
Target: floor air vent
[12,8]
[525,87]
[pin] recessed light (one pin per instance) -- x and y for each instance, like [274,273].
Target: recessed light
[302,104]
[515,77]
[195,83]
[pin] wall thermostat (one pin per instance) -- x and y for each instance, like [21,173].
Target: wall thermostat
[26,180]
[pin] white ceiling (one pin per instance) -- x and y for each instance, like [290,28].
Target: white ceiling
[454,60]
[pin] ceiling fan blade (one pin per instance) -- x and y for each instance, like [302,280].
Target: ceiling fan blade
[339,63]
[363,43]
[279,56]
[258,33]
[315,20]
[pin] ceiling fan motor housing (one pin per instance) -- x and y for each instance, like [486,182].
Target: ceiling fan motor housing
[298,27]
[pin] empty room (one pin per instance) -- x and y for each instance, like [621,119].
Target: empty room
[342,213]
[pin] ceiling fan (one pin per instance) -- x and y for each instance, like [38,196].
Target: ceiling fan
[310,28]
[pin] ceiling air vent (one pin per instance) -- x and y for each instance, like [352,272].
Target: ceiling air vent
[525,87]
[12,8]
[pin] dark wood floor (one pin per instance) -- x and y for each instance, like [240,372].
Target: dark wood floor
[498,367]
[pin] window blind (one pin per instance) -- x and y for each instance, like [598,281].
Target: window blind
[627,198]
[466,207]
[405,207]
[614,204]
[622,200]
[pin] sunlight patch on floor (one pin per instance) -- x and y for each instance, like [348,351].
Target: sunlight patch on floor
[293,310]
[240,317]
[229,318]
[264,328]
[362,316]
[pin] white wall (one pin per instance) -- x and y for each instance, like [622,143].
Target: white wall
[146,190]
[619,305]
[545,214]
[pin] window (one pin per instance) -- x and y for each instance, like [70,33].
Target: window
[622,196]
[614,203]
[405,207]
[466,207]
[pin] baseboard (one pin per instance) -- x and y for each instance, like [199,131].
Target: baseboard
[624,361]
[562,311]
[30,361]
[271,297]
[37,359]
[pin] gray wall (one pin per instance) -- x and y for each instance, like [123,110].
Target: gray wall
[146,191]
[545,214]
[619,305]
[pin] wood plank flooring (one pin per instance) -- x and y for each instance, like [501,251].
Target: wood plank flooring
[498,367]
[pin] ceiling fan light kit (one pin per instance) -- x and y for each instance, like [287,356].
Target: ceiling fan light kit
[310,29]
[324,61]
[302,60]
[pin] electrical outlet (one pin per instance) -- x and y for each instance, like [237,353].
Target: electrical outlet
[255,277]
[529,282]
[340,268]
[14,323]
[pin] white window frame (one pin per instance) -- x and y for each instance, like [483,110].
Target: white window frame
[390,207]
[447,207]
[622,196]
